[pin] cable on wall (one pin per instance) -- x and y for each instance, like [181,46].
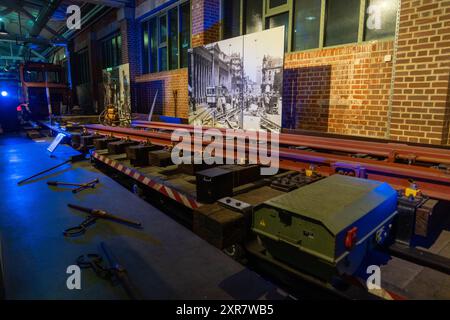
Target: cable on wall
[394,71]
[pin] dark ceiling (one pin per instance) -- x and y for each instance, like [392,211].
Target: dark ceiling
[35,26]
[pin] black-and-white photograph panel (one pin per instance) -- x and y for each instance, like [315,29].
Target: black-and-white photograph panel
[237,83]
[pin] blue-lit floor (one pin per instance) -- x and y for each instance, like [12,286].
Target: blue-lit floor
[164,260]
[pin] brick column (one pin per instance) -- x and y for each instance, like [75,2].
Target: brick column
[130,31]
[205,22]
[420,108]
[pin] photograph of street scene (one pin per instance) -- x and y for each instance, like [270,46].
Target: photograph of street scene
[237,83]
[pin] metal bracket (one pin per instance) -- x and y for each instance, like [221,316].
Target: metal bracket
[236,205]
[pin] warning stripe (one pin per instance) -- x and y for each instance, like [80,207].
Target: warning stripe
[379,292]
[136,175]
[385,294]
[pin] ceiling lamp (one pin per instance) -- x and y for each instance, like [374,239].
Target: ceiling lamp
[3,31]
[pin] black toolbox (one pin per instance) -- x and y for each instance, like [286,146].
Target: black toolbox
[138,154]
[160,158]
[214,184]
[102,143]
[193,168]
[243,174]
[88,140]
[118,147]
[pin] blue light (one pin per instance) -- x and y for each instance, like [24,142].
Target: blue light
[4,93]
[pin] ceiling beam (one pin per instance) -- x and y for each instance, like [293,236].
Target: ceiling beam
[110,3]
[23,39]
[44,16]
[18,6]
[5,12]
[11,58]
[37,54]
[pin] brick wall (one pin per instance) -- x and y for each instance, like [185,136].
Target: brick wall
[175,80]
[421,100]
[205,21]
[131,49]
[342,90]
[345,89]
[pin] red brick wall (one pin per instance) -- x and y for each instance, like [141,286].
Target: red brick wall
[173,80]
[346,89]
[342,90]
[205,21]
[421,100]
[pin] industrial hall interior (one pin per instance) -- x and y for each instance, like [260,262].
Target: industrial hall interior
[266,151]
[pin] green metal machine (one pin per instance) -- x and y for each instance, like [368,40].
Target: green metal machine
[327,227]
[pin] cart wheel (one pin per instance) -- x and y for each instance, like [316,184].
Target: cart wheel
[137,190]
[235,251]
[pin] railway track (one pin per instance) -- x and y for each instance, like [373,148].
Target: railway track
[394,163]
[160,134]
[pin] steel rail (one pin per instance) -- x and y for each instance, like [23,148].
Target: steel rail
[391,151]
[435,183]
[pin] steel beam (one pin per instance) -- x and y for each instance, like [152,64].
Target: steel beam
[44,16]
[18,6]
[391,151]
[16,38]
[110,3]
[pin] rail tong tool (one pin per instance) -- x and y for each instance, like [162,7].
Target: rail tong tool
[113,271]
[93,215]
[73,159]
[80,186]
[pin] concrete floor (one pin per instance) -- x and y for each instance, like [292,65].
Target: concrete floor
[410,280]
[416,282]
[164,260]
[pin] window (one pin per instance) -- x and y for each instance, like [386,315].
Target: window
[306,24]
[82,67]
[253,16]
[162,54]
[145,47]
[342,22]
[276,3]
[380,20]
[53,77]
[153,27]
[185,34]
[112,51]
[166,39]
[232,18]
[278,21]
[312,23]
[173,38]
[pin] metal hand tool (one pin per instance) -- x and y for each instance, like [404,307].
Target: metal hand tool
[87,185]
[57,183]
[113,271]
[73,159]
[44,171]
[81,186]
[95,214]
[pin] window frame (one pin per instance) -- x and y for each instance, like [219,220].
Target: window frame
[163,44]
[83,76]
[115,54]
[290,9]
[156,17]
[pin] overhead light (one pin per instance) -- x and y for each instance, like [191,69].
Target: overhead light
[3,31]
[4,93]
